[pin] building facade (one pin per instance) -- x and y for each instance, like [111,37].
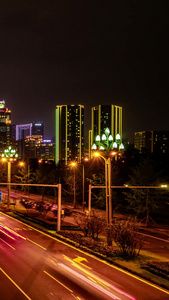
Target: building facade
[5,126]
[69,133]
[23,130]
[143,141]
[104,116]
[152,142]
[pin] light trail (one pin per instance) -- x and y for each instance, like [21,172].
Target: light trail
[11,237]
[58,282]
[96,258]
[7,244]
[36,244]
[12,231]
[101,282]
[107,293]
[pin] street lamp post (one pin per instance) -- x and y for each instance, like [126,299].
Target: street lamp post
[73,164]
[22,164]
[107,147]
[9,155]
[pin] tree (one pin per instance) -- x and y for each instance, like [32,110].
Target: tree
[126,236]
[71,181]
[41,176]
[98,194]
[143,201]
[23,177]
[92,225]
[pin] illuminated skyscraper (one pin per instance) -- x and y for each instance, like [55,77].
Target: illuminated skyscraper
[104,116]
[5,126]
[23,130]
[69,128]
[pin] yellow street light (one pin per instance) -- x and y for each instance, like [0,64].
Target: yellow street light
[74,164]
[109,149]
[9,155]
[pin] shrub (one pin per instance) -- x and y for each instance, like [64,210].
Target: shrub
[126,236]
[161,268]
[91,225]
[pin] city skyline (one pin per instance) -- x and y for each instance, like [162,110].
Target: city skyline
[89,54]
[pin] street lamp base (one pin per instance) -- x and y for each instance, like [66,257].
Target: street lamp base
[109,237]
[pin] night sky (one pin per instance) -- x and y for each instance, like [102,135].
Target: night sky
[86,52]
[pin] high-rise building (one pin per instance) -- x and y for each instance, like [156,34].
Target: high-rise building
[38,128]
[5,126]
[152,142]
[23,130]
[104,116]
[32,146]
[69,128]
[143,141]
[161,142]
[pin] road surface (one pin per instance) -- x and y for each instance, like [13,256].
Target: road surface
[34,265]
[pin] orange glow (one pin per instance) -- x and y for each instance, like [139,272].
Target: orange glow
[86,158]
[96,154]
[4,159]
[73,164]
[40,161]
[113,153]
[21,163]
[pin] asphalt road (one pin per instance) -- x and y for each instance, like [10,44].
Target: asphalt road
[41,267]
[156,242]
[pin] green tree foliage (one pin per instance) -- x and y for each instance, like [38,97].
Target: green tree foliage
[143,201]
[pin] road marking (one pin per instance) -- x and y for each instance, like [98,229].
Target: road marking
[154,237]
[94,257]
[36,244]
[58,281]
[8,244]
[78,259]
[7,234]
[78,275]
[15,284]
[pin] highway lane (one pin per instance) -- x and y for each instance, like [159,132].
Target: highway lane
[158,244]
[44,268]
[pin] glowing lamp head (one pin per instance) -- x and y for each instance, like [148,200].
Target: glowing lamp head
[118,137]
[73,164]
[3,159]
[110,138]
[97,138]
[121,147]
[102,148]
[94,147]
[104,137]
[115,145]
[107,130]
[96,154]
[21,163]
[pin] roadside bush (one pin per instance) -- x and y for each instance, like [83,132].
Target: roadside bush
[160,268]
[98,247]
[91,226]
[26,204]
[126,236]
